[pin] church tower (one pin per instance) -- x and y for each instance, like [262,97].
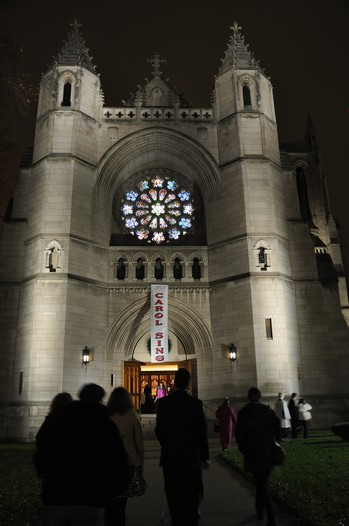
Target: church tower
[249,262]
[63,167]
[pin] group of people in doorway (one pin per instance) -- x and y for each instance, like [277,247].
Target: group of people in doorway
[148,402]
[162,390]
[87,452]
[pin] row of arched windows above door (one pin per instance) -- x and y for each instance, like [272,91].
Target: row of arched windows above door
[159,269]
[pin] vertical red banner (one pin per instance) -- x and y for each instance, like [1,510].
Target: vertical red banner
[159,323]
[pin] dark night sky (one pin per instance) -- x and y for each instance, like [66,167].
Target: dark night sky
[302,44]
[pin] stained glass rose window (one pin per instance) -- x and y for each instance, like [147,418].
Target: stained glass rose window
[158,210]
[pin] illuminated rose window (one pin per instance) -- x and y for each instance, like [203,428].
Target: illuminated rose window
[158,210]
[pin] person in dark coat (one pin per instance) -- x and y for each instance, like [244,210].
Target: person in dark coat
[49,428]
[85,463]
[181,429]
[294,413]
[256,430]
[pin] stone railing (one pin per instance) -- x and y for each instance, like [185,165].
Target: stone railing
[142,114]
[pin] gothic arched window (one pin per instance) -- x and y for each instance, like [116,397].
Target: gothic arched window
[196,269]
[159,269]
[177,269]
[140,269]
[158,210]
[302,194]
[66,94]
[121,269]
[246,94]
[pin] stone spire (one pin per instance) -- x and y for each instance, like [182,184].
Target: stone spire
[74,52]
[237,55]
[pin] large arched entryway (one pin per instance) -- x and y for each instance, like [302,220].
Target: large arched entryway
[189,336]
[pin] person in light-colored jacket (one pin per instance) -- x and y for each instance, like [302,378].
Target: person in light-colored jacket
[283,414]
[304,415]
[123,415]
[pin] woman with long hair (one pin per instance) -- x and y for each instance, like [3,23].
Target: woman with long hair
[123,415]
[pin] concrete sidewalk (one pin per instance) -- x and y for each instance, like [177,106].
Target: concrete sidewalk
[228,500]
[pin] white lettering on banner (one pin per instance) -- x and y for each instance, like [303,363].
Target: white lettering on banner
[158,319]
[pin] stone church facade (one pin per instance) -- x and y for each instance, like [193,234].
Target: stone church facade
[204,200]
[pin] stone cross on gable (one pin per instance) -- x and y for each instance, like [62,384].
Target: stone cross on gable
[75,25]
[235,27]
[155,61]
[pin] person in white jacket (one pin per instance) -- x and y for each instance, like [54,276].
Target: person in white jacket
[304,415]
[283,414]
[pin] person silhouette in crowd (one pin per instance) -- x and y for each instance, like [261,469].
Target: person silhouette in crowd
[227,419]
[304,415]
[256,430]
[83,463]
[171,386]
[283,414]
[148,399]
[49,427]
[293,410]
[181,429]
[123,415]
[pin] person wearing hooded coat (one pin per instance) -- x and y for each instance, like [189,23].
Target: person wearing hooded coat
[256,430]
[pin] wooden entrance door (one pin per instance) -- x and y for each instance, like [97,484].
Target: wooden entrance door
[132,381]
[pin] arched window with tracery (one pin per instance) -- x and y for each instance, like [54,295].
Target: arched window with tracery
[158,210]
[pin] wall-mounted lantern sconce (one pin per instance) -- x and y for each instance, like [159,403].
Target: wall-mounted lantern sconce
[232,352]
[87,355]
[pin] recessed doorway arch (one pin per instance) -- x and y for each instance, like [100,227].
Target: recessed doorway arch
[133,324]
[131,329]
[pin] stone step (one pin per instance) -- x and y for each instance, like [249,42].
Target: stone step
[148,426]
